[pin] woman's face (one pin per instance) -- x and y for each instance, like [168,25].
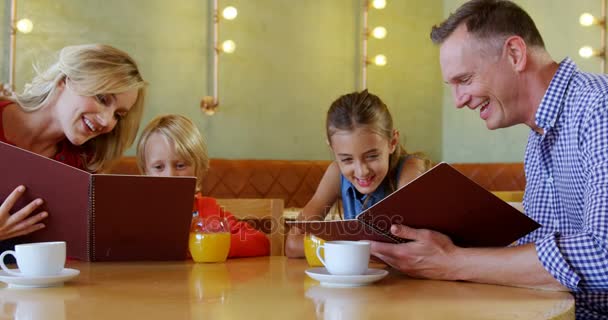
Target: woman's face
[363,157]
[162,160]
[83,118]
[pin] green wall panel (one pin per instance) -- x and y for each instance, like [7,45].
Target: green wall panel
[293,59]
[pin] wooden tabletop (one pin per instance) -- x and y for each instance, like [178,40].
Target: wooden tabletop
[266,288]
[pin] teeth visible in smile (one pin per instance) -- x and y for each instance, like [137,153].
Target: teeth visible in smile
[90,124]
[483,105]
[364,181]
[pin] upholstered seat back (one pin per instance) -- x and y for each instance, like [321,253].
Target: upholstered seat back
[295,181]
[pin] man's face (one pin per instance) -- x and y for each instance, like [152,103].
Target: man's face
[481,77]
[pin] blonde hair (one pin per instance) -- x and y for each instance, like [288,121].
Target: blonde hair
[92,69]
[188,141]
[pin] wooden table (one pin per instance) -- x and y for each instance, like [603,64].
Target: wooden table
[266,288]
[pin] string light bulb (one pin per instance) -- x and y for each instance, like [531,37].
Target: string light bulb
[586,52]
[228,46]
[379,4]
[587,19]
[380,60]
[230,13]
[25,25]
[379,32]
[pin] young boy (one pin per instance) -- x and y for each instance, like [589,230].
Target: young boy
[171,145]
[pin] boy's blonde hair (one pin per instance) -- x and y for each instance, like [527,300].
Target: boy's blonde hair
[188,141]
[92,69]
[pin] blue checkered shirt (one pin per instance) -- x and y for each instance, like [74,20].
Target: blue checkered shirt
[567,186]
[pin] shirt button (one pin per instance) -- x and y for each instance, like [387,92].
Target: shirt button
[550,179]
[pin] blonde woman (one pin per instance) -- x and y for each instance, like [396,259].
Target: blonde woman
[84,110]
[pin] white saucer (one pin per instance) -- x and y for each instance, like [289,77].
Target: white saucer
[330,280]
[38,282]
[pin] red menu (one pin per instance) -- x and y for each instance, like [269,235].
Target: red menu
[442,199]
[102,217]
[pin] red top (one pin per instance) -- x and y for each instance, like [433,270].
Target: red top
[67,152]
[245,241]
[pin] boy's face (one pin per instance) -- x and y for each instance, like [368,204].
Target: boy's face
[163,161]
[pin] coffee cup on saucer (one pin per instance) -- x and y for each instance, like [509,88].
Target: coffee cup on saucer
[345,257]
[41,259]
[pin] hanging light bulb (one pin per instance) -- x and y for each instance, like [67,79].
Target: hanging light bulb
[380,60]
[230,13]
[228,46]
[379,32]
[586,52]
[25,25]
[379,4]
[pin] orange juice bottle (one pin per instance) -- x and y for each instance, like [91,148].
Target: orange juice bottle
[209,239]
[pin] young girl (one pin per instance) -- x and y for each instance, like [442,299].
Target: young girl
[84,110]
[369,161]
[171,145]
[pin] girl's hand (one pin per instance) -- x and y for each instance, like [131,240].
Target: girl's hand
[19,223]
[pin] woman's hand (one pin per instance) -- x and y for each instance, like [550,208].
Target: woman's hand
[19,223]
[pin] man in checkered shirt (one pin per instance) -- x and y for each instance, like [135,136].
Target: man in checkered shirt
[494,59]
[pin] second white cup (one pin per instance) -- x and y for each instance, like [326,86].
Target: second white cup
[39,259]
[345,257]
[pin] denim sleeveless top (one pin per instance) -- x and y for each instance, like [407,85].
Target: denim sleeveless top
[352,200]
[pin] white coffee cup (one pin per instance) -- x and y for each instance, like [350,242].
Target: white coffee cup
[36,259]
[345,257]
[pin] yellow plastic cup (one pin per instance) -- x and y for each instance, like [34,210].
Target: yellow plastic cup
[310,250]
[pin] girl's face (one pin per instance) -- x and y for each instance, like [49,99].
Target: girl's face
[363,157]
[162,160]
[83,118]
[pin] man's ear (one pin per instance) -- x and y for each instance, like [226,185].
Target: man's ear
[394,140]
[517,52]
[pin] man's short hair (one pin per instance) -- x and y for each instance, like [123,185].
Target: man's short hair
[486,19]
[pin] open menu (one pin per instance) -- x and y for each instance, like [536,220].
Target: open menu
[101,217]
[442,199]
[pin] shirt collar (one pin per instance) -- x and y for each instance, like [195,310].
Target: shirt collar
[375,196]
[552,103]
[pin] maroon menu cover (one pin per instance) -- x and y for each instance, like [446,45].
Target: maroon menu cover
[442,199]
[102,217]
